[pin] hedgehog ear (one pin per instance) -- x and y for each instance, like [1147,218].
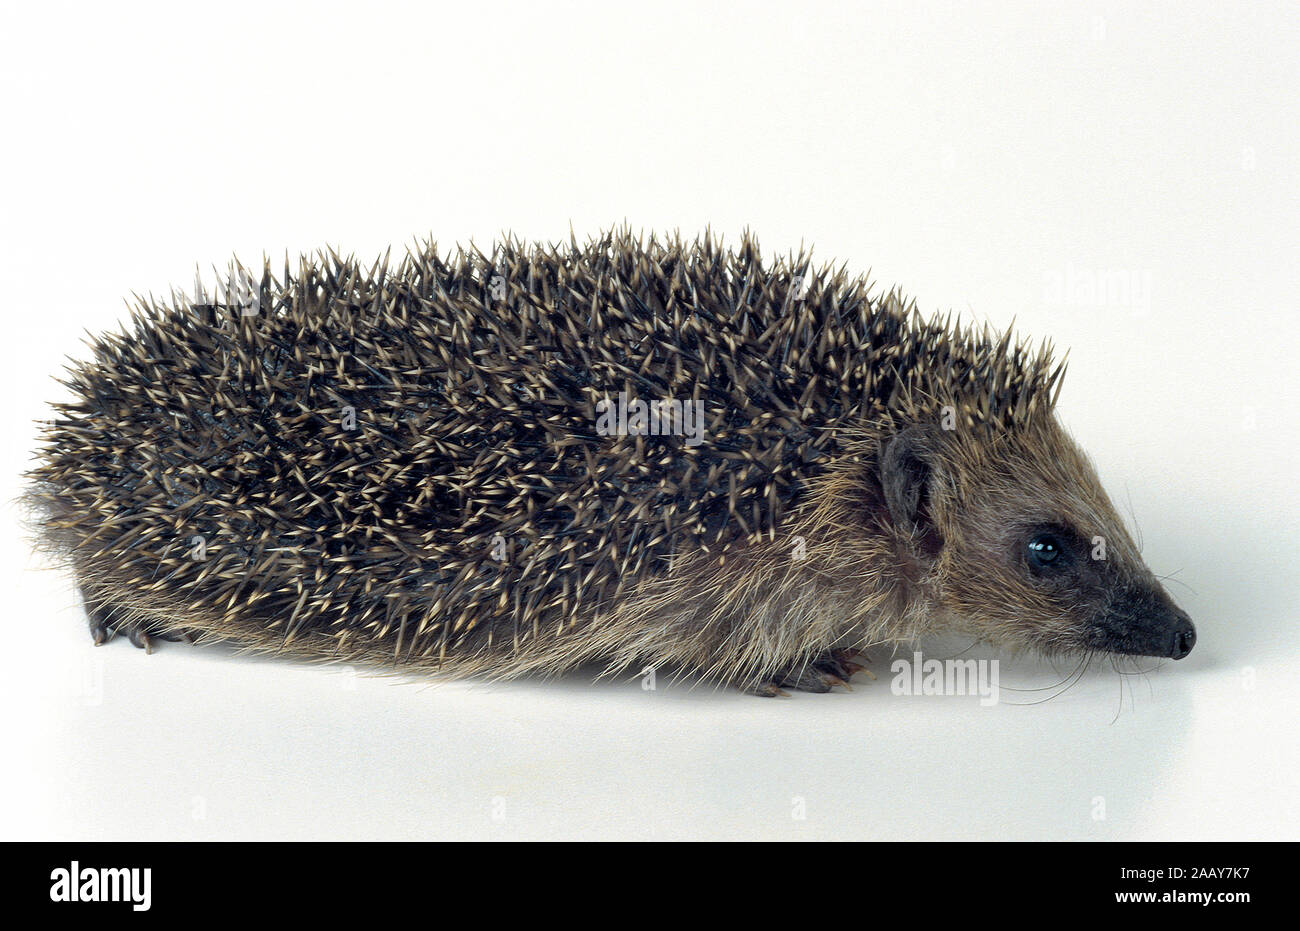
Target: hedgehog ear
[905,470]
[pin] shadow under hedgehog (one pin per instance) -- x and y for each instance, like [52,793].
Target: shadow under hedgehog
[483,465]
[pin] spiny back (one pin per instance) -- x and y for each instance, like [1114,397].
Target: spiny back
[429,456]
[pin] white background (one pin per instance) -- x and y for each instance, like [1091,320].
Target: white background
[996,160]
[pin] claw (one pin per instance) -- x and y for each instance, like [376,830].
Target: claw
[142,640]
[854,668]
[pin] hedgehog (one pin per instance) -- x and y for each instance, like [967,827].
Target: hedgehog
[634,453]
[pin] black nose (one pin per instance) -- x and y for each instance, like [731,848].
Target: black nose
[1184,638]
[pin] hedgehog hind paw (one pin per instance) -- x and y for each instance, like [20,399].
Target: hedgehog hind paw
[100,630]
[147,637]
[141,634]
[99,618]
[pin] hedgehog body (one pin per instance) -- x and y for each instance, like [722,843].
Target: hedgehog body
[628,452]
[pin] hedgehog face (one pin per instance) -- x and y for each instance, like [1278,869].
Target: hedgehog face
[1023,546]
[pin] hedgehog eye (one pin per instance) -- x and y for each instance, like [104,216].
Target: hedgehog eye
[1044,550]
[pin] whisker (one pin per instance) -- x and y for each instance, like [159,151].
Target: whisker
[1170,578]
[1069,682]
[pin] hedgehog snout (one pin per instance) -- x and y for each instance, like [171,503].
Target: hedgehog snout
[1145,625]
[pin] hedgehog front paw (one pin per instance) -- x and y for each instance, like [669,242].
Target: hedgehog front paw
[831,669]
